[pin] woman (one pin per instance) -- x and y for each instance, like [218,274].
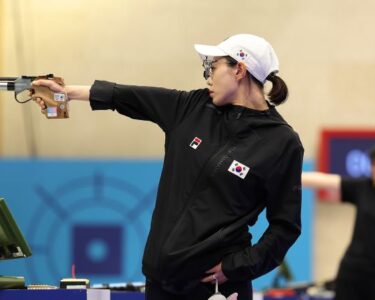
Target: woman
[228,155]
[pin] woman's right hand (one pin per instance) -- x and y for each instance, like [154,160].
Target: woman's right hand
[50,84]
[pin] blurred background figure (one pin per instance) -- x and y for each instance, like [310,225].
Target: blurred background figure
[356,275]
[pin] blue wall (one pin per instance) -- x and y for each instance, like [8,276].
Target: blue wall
[96,214]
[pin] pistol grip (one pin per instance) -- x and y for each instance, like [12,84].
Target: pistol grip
[57,103]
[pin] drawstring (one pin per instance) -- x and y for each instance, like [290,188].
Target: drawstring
[217,295]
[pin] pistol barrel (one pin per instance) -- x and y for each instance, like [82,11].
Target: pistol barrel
[7,86]
[17,84]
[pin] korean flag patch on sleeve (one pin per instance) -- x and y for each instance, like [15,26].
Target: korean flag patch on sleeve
[238,169]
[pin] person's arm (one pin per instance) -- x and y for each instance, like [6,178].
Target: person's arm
[78,92]
[74,92]
[165,107]
[321,180]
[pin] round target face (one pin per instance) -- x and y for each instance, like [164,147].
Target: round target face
[97,223]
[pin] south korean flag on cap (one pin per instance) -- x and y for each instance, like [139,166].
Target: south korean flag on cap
[238,169]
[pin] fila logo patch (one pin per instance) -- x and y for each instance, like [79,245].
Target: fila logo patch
[195,143]
[238,169]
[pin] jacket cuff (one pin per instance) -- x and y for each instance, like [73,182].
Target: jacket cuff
[228,267]
[101,95]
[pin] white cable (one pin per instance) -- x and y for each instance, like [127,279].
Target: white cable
[217,295]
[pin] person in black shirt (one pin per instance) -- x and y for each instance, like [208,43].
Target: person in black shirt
[356,275]
[228,155]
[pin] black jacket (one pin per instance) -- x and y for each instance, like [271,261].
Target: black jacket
[358,262]
[205,201]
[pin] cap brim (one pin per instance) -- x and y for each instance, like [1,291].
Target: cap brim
[209,51]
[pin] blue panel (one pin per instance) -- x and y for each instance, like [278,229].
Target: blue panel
[43,294]
[348,156]
[96,214]
[49,198]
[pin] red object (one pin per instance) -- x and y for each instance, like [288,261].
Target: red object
[73,271]
[327,134]
[280,292]
[323,162]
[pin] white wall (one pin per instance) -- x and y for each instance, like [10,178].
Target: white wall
[326,50]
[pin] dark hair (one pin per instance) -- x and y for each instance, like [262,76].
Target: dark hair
[279,91]
[371,154]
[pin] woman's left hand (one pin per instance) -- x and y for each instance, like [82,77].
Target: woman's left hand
[215,273]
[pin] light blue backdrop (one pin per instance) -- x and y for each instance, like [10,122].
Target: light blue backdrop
[96,214]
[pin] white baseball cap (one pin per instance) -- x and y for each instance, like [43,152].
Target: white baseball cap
[255,52]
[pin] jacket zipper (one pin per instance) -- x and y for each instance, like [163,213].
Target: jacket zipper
[203,172]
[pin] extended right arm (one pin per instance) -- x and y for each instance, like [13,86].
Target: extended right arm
[165,107]
[78,92]
[74,92]
[320,180]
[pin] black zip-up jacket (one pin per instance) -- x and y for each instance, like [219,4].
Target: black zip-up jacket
[222,167]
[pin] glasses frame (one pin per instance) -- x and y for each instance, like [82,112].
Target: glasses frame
[207,65]
[208,68]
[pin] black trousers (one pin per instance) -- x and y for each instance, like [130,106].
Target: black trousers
[203,291]
[363,289]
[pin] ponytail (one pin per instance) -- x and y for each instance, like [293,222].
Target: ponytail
[279,92]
